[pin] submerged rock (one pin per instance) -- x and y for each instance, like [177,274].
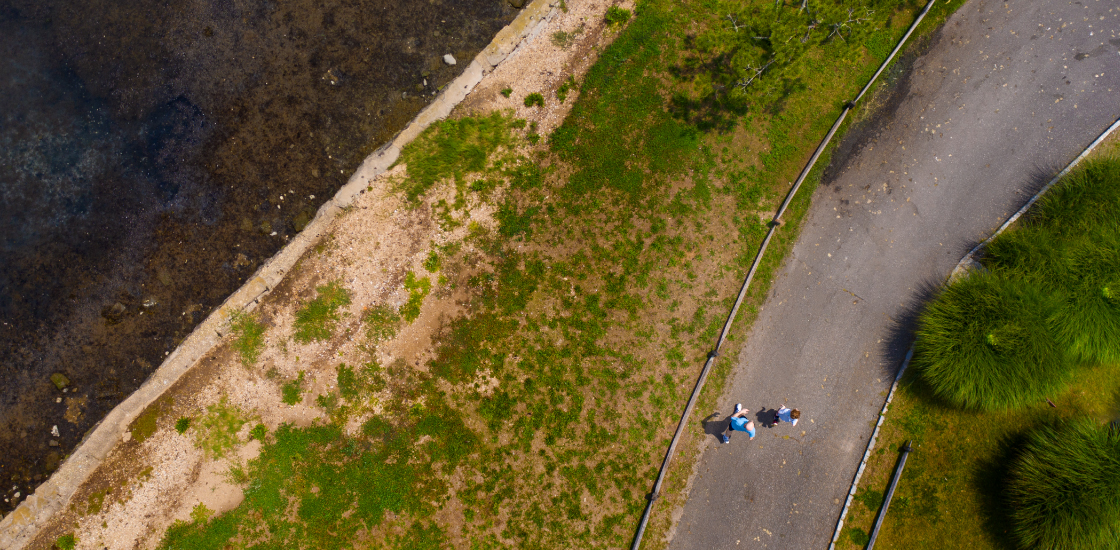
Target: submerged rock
[60,380]
[449,59]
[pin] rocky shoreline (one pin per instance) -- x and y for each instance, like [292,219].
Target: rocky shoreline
[171,150]
[17,528]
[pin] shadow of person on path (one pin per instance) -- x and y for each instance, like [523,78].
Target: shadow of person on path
[765,417]
[715,424]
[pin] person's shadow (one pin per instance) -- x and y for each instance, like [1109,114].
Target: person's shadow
[715,424]
[765,417]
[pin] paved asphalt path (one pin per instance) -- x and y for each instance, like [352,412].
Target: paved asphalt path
[1006,94]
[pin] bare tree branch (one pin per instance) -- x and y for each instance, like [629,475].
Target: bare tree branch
[734,22]
[741,84]
[845,27]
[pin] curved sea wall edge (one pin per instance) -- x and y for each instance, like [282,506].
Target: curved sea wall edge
[19,527]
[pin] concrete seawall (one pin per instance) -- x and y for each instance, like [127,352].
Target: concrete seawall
[19,527]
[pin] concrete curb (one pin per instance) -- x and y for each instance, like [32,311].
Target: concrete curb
[967,263]
[20,527]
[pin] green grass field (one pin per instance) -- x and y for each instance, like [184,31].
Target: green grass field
[618,252]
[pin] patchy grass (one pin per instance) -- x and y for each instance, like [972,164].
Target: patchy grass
[418,289]
[292,392]
[454,148]
[216,432]
[563,39]
[248,337]
[617,254]
[148,422]
[567,86]
[317,319]
[381,322]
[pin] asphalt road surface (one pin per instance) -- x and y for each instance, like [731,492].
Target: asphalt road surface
[1006,95]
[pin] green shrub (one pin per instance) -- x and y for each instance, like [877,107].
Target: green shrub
[534,98]
[987,342]
[1064,489]
[248,337]
[316,320]
[182,424]
[507,91]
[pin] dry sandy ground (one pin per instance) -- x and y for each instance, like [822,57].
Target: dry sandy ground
[143,487]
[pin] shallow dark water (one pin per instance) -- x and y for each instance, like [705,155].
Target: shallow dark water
[153,154]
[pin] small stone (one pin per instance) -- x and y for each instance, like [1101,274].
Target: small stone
[54,430]
[114,312]
[449,59]
[53,443]
[60,380]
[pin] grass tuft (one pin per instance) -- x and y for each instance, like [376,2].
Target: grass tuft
[986,342]
[66,542]
[316,320]
[534,99]
[1064,489]
[616,16]
[248,337]
[182,425]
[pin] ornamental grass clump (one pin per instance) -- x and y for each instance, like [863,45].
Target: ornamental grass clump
[1086,202]
[1089,321]
[1064,489]
[1070,244]
[986,342]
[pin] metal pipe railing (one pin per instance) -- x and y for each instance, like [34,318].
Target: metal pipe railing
[890,494]
[656,492]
